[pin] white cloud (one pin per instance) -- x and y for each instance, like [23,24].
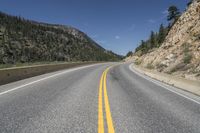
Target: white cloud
[86,24]
[117,37]
[165,12]
[152,21]
[132,27]
[101,41]
[95,36]
[156,20]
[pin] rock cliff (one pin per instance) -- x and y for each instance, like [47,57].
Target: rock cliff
[180,52]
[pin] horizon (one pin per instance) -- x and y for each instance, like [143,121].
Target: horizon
[115,26]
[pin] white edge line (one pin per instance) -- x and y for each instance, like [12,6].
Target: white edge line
[158,83]
[45,78]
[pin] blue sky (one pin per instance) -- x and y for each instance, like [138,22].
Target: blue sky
[117,25]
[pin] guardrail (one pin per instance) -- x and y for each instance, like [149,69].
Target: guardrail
[8,75]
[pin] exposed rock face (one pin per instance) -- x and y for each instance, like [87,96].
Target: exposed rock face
[180,53]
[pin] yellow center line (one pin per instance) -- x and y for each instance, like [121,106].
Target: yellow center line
[103,89]
[107,106]
[100,107]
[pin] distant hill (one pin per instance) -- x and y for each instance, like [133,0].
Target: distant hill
[24,41]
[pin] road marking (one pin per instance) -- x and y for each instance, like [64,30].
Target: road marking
[109,120]
[100,107]
[42,79]
[164,85]
[107,106]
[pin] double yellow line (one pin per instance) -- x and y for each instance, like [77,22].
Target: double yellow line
[103,90]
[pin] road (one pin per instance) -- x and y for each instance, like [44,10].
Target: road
[107,97]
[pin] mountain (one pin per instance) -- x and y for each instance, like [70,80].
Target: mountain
[23,41]
[179,54]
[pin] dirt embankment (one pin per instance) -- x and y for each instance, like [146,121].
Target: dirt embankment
[8,75]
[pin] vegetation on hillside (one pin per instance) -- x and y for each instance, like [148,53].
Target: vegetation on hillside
[23,41]
[157,38]
[130,53]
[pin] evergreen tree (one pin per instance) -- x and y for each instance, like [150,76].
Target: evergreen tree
[189,3]
[130,53]
[143,46]
[162,34]
[173,14]
[153,41]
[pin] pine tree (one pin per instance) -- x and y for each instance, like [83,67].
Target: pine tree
[189,3]
[143,46]
[162,34]
[173,14]
[153,41]
[130,53]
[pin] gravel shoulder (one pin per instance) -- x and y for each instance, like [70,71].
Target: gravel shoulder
[184,84]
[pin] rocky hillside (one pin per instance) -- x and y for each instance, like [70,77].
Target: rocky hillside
[28,41]
[180,52]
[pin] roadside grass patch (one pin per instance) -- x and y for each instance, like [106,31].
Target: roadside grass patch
[138,62]
[150,66]
[187,58]
[187,54]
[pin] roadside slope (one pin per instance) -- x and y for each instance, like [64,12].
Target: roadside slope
[180,52]
[8,75]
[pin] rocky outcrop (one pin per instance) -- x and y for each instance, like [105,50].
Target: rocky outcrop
[180,52]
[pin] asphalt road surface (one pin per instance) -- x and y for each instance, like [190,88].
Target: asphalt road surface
[107,97]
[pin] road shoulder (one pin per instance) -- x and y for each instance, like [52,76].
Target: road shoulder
[180,84]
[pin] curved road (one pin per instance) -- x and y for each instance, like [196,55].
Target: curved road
[96,98]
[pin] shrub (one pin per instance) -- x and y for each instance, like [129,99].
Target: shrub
[138,62]
[185,48]
[187,58]
[150,66]
[187,55]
